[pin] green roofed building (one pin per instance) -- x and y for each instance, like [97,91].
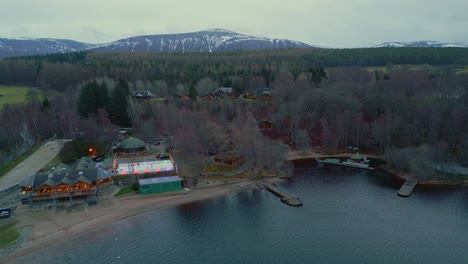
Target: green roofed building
[131,146]
[160,185]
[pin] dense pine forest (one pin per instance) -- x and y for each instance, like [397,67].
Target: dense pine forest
[409,103]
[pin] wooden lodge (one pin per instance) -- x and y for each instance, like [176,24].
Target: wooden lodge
[65,183]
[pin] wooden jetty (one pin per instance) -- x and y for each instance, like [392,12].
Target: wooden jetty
[285,197]
[407,188]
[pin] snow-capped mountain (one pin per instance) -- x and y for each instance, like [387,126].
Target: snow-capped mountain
[420,44]
[31,46]
[212,40]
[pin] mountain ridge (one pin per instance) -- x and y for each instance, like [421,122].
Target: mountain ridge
[210,40]
[419,44]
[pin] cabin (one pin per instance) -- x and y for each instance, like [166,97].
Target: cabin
[264,125]
[265,96]
[249,95]
[229,159]
[142,95]
[233,95]
[207,97]
[223,91]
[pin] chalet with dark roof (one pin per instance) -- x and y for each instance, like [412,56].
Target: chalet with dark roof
[223,91]
[142,95]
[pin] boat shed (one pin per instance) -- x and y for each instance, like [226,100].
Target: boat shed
[160,185]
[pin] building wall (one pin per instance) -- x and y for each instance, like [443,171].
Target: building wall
[161,187]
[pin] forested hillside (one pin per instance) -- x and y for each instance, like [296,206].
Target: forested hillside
[375,99]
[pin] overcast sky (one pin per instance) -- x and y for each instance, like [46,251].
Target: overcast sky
[331,23]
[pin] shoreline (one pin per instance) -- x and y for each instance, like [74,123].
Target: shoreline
[407,176]
[310,157]
[51,228]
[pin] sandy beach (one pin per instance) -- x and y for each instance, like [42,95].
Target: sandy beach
[51,226]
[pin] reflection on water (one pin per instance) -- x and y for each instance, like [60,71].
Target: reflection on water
[347,217]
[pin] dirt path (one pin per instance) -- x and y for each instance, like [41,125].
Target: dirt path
[32,164]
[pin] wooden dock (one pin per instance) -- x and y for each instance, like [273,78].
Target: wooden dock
[407,188]
[285,197]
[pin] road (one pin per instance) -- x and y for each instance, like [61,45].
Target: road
[32,164]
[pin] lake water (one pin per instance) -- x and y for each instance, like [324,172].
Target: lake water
[347,217]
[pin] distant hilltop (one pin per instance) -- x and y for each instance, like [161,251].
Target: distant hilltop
[420,44]
[211,40]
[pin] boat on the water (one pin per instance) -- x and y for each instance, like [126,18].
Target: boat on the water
[357,160]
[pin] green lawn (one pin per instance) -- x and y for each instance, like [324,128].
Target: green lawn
[124,190]
[8,234]
[462,70]
[213,167]
[12,94]
[158,100]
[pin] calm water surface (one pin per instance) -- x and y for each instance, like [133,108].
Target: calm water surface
[346,218]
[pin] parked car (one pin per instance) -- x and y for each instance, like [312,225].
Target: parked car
[99,158]
[4,214]
[162,156]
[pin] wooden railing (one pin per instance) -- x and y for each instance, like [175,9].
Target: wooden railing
[54,195]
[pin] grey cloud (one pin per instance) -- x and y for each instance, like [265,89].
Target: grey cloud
[333,23]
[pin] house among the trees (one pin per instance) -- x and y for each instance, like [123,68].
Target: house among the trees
[184,97]
[265,96]
[229,159]
[142,95]
[249,95]
[207,97]
[223,91]
[264,125]
[233,95]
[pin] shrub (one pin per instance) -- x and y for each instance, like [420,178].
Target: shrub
[136,186]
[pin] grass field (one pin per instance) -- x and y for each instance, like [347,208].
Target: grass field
[463,70]
[12,94]
[8,234]
[124,190]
